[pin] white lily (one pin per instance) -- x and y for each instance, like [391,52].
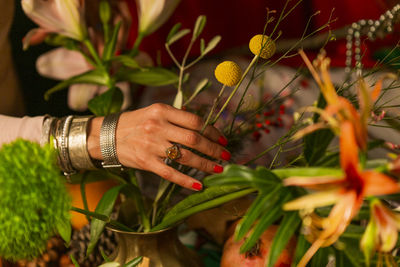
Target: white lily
[153,13]
[62,64]
[65,17]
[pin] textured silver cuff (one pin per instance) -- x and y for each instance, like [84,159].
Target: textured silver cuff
[46,129]
[77,140]
[108,146]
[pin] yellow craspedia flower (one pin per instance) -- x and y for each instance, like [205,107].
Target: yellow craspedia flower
[228,73]
[262,45]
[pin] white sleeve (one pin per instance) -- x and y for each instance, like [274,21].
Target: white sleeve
[29,128]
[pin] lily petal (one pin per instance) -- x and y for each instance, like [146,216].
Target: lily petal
[314,200]
[33,37]
[80,94]
[348,146]
[61,64]
[316,183]
[377,184]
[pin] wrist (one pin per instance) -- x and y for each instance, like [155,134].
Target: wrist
[93,142]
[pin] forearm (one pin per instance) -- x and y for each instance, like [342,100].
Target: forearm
[29,128]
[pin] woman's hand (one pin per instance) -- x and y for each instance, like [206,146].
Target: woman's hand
[144,135]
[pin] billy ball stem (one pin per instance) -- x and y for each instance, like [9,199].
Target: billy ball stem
[215,104]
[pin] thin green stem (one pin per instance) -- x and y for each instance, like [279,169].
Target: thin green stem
[234,90]
[172,56]
[216,101]
[138,41]
[103,218]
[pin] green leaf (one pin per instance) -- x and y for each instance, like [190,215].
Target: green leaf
[109,49]
[262,204]
[148,76]
[127,61]
[352,251]
[266,220]
[202,85]
[286,230]
[198,27]
[107,103]
[202,46]
[189,206]
[321,257]
[133,262]
[96,76]
[104,207]
[261,178]
[212,44]
[64,229]
[177,36]
[173,31]
[110,264]
[301,248]
[76,264]
[178,101]
[309,172]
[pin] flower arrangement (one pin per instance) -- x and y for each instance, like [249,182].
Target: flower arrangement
[330,198]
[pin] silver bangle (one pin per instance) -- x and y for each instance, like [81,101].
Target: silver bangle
[108,141]
[63,147]
[77,144]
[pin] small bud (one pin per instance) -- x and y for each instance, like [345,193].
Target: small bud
[104,11]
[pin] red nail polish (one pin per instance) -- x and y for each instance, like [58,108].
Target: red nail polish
[222,141]
[197,186]
[218,169]
[225,155]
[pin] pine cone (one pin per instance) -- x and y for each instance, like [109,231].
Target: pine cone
[80,241]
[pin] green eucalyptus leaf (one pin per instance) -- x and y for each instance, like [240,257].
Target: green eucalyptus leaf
[107,103]
[147,76]
[173,31]
[198,27]
[290,223]
[212,44]
[109,49]
[133,262]
[127,61]
[64,229]
[104,207]
[96,76]
[178,36]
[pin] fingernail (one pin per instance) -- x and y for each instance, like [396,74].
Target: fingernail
[225,155]
[222,141]
[218,169]
[197,186]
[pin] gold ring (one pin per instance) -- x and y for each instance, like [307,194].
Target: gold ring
[173,152]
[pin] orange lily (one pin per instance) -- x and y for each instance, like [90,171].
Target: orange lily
[381,232]
[340,106]
[346,193]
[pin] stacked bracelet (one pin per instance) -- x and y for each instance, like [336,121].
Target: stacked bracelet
[108,141]
[77,144]
[70,140]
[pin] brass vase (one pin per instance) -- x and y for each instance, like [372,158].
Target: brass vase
[158,249]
